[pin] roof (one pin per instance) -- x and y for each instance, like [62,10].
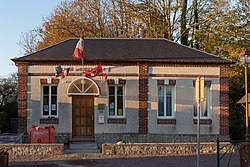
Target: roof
[124,49]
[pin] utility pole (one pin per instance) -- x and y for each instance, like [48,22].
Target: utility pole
[199,97]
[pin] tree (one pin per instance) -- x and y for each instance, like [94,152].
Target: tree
[28,41]
[237,111]
[8,90]
[195,23]
[184,34]
[3,122]
[124,19]
[8,101]
[162,18]
[224,29]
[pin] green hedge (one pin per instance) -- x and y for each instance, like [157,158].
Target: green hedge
[3,122]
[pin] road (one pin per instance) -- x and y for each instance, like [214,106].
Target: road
[150,161]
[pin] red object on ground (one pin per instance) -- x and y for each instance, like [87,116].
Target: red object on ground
[245,154]
[42,134]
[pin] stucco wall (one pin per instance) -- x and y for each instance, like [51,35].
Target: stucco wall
[183,100]
[192,70]
[35,108]
[131,110]
[64,101]
[131,103]
[35,96]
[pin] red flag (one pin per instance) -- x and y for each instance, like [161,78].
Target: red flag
[105,77]
[94,72]
[99,68]
[78,53]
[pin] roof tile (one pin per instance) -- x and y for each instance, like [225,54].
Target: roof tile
[122,49]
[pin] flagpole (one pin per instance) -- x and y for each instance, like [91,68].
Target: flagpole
[82,36]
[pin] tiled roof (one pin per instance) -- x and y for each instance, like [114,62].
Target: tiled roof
[124,49]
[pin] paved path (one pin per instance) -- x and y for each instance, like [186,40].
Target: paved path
[151,161]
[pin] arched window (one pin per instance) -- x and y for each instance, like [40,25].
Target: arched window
[83,86]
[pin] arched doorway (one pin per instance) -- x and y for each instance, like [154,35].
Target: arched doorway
[83,90]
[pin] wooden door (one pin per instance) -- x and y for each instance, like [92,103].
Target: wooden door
[82,116]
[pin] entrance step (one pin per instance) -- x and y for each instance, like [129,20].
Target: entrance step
[67,151]
[82,139]
[82,145]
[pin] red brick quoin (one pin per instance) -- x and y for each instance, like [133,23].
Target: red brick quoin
[22,96]
[224,100]
[143,98]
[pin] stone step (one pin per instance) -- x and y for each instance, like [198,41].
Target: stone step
[83,139]
[83,146]
[68,151]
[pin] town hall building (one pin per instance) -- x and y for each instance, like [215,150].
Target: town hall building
[141,90]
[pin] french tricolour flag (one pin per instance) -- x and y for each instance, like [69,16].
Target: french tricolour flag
[65,73]
[78,52]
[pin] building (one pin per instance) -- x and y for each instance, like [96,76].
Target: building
[148,95]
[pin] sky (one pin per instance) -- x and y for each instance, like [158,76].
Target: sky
[17,16]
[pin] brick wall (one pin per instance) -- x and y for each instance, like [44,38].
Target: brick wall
[224,100]
[143,98]
[22,96]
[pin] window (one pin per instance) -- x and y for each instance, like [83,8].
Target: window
[205,105]
[49,107]
[116,100]
[165,101]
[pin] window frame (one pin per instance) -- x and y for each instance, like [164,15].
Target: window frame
[50,100]
[165,105]
[115,96]
[207,101]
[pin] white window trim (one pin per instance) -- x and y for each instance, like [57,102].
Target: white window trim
[172,93]
[46,116]
[209,104]
[124,112]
